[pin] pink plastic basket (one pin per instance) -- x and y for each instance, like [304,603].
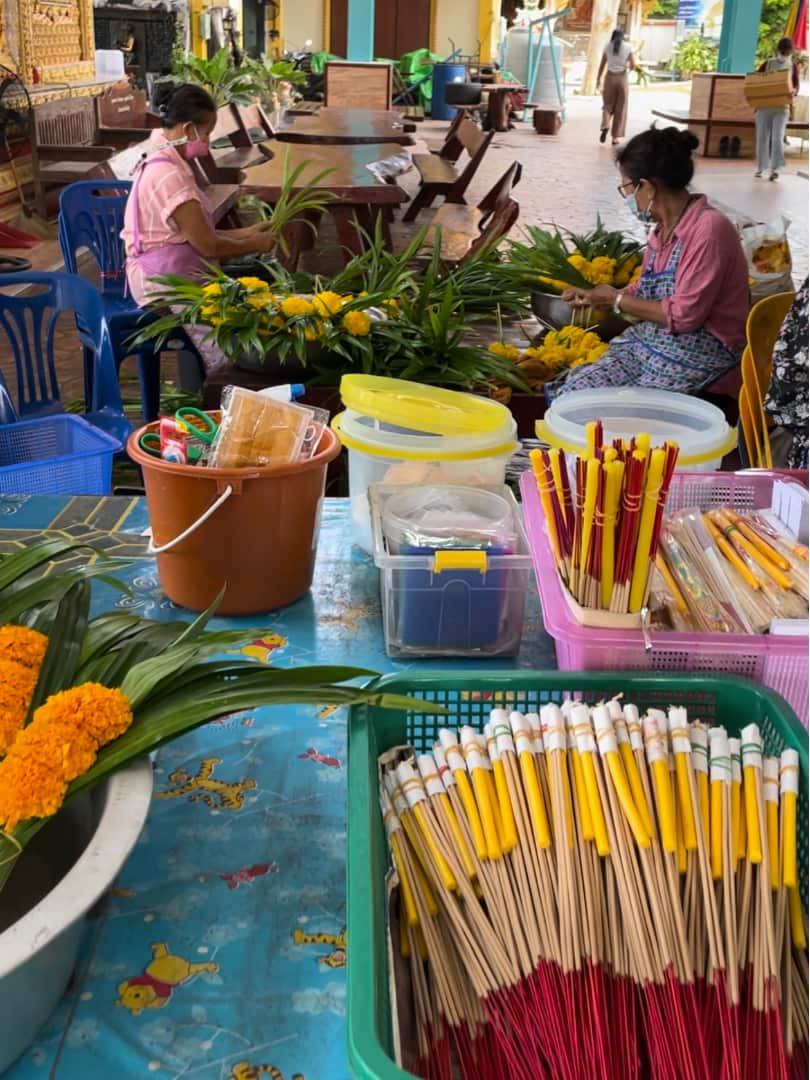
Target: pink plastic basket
[779,662]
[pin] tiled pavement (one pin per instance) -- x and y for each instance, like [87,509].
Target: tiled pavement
[567,180]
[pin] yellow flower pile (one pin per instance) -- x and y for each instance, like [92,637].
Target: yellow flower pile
[601,270]
[560,350]
[21,654]
[508,352]
[319,315]
[59,744]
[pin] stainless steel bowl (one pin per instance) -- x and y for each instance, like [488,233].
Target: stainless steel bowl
[552,311]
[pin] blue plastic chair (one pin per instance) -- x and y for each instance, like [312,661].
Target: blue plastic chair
[91,215]
[28,321]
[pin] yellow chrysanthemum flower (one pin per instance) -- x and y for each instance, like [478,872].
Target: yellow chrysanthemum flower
[102,712]
[295,305]
[508,352]
[635,275]
[314,333]
[259,300]
[390,306]
[22,645]
[254,283]
[214,288]
[327,303]
[17,685]
[357,323]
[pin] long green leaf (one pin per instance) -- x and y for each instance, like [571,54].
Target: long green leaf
[64,645]
[195,628]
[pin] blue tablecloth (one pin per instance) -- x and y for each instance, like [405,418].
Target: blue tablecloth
[240,873]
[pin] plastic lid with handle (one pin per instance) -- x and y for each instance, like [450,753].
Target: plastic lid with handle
[423,408]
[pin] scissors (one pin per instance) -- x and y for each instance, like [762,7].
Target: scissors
[149,442]
[200,426]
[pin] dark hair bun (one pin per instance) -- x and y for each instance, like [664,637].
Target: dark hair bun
[660,154]
[182,104]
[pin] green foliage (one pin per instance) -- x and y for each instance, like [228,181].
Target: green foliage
[269,74]
[165,670]
[663,9]
[772,27]
[543,262]
[224,82]
[694,54]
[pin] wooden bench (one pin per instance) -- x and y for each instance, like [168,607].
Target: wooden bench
[464,230]
[440,176]
[255,122]
[224,165]
[712,130]
[66,146]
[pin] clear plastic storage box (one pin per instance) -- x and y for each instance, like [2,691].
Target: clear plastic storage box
[454,590]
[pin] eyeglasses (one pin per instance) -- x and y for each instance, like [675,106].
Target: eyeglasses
[621,188]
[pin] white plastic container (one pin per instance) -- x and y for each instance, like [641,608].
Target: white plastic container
[398,432]
[700,429]
[441,598]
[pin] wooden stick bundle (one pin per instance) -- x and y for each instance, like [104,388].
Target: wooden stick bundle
[588,892]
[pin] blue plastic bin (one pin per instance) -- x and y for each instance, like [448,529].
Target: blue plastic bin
[442,75]
[56,455]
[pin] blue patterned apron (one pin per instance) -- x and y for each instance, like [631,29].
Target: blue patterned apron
[649,355]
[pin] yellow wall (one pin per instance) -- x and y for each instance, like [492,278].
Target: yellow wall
[303,19]
[456,19]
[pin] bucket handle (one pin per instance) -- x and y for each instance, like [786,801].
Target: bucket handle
[201,520]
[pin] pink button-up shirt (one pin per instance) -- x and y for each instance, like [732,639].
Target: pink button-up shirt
[711,281]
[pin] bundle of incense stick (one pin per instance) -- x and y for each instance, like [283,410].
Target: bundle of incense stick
[605,538]
[725,573]
[590,893]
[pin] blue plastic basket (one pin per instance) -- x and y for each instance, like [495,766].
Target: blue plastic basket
[55,455]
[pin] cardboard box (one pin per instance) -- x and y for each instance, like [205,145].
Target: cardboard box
[769,90]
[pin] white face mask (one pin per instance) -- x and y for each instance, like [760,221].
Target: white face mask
[645,216]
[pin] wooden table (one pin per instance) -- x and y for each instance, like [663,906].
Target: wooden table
[360,196]
[347,127]
[222,198]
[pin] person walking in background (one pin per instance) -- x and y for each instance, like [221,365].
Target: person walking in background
[618,59]
[771,122]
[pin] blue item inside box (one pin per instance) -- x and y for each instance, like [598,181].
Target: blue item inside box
[462,597]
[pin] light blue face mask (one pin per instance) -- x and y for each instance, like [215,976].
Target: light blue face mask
[644,216]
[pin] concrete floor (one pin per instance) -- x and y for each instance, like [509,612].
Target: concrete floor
[567,180]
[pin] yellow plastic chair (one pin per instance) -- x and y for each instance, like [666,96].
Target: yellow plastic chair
[762,329]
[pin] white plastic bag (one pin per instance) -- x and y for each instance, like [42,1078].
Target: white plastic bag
[767,251]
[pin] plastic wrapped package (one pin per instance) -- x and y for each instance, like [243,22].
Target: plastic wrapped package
[704,608]
[257,430]
[448,517]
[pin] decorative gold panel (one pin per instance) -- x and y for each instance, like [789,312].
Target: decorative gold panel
[55,37]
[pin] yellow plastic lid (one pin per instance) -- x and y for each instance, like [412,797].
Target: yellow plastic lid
[423,408]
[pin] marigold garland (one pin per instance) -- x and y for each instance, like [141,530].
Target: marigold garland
[17,684]
[60,743]
[23,645]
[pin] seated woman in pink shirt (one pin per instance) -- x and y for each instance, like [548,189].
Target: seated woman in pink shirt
[168,225]
[692,296]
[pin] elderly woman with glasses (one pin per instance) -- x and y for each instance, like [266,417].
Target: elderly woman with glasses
[691,301]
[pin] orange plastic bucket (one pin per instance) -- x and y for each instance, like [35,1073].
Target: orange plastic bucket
[253,530]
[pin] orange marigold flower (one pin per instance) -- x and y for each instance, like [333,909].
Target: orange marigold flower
[65,746]
[30,786]
[17,685]
[22,645]
[102,713]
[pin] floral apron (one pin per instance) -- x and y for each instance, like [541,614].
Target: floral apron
[649,355]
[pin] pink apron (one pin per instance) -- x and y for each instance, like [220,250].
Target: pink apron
[180,259]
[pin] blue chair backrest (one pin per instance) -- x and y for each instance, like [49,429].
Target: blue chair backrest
[91,215]
[29,324]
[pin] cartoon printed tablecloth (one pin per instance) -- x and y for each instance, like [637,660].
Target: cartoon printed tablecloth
[220,952]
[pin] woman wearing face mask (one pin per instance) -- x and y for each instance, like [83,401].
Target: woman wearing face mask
[692,297]
[168,225]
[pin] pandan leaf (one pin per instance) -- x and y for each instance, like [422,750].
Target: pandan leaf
[65,639]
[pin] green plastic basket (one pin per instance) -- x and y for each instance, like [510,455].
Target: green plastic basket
[721,699]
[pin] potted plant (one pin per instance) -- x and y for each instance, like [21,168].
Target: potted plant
[83,703]
[277,81]
[224,82]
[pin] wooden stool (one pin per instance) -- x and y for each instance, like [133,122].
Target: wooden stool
[547,119]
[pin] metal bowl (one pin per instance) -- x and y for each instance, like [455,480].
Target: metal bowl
[555,312]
